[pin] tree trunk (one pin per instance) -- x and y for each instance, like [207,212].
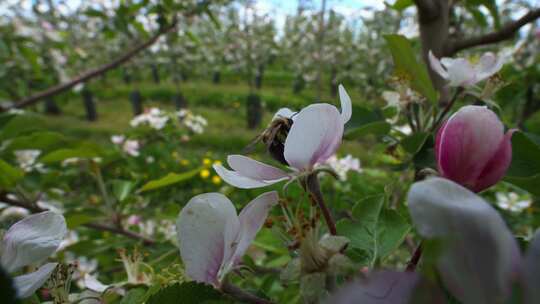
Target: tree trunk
[136,102]
[299,84]
[216,77]
[254,111]
[51,108]
[259,77]
[333,82]
[126,76]
[89,105]
[180,101]
[155,73]
[433,21]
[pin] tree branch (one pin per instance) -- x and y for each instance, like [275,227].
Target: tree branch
[102,69]
[4,197]
[506,32]
[428,9]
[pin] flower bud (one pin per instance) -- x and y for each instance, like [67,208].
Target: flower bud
[472,149]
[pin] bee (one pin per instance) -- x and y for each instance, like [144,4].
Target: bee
[274,138]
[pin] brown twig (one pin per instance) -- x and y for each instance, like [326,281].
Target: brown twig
[505,32]
[413,262]
[315,190]
[446,109]
[102,69]
[4,197]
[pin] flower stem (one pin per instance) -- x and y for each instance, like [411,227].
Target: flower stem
[315,190]
[446,109]
[413,262]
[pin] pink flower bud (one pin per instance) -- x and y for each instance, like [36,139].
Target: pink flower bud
[472,149]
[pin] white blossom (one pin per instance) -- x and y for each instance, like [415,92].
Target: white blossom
[343,165]
[512,202]
[27,160]
[131,147]
[154,117]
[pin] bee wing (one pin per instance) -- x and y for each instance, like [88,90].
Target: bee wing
[251,146]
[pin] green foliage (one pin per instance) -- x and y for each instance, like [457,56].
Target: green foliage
[524,170]
[168,180]
[374,230]
[414,143]
[10,175]
[188,293]
[408,67]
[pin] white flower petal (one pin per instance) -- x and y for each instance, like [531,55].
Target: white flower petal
[237,180]
[201,228]
[27,284]
[488,65]
[346,104]
[480,255]
[460,72]
[251,220]
[32,240]
[92,283]
[255,169]
[314,137]
[436,65]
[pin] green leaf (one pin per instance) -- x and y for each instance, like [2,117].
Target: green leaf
[408,67]
[401,5]
[169,179]
[374,230]
[74,220]
[525,156]
[20,124]
[477,15]
[188,293]
[379,128]
[122,189]
[9,175]
[413,143]
[529,184]
[62,154]
[43,141]
[491,6]
[134,296]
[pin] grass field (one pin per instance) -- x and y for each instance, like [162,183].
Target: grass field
[223,105]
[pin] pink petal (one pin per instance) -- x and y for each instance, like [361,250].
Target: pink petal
[497,165]
[481,255]
[240,181]
[314,137]
[346,105]
[32,240]
[202,227]
[252,219]
[466,143]
[27,284]
[254,169]
[436,65]
[488,65]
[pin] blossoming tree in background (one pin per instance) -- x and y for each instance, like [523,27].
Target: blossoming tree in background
[173,208]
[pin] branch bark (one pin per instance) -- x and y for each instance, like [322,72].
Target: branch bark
[96,226]
[433,23]
[506,32]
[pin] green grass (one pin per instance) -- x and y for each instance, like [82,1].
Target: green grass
[222,105]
